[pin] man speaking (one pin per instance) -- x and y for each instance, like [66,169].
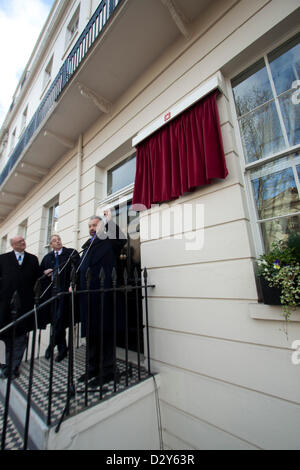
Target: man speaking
[100,251]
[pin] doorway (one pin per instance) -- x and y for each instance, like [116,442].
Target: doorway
[130,260]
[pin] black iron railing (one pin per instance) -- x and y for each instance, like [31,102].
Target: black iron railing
[119,292]
[78,53]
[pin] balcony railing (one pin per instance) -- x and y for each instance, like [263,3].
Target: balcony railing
[83,45]
[55,381]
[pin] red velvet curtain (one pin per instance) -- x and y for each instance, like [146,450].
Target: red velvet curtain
[186,153]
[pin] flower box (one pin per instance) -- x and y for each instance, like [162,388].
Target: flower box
[268,295]
[280,267]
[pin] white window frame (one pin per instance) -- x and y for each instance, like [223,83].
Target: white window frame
[3,245]
[126,189]
[48,73]
[72,27]
[50,230]
[24,120]
[22,229]
[246,167]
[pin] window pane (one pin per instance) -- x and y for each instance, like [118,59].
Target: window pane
[261,133]
[121,176]
[22,231]
[55,219]
[279,229]
[50,222]
[56,211]
[3,244]
[291,116]
[275,189]
[298,171]
[252,88]
[285,65]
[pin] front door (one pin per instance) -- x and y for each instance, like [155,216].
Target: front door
[130,259]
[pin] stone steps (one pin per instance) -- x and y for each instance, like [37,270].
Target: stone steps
[39,431]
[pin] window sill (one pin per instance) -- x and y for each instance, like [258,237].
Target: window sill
[120,196]
[271,312]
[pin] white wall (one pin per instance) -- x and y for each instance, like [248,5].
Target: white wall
[127,421]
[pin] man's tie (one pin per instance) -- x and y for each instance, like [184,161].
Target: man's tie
[56,260]
[20,260]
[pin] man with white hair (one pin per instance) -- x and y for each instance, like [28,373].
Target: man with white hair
[59,259]
[19,272]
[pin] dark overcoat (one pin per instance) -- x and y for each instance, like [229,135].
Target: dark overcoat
[103,253]
[22,279]
[65,268]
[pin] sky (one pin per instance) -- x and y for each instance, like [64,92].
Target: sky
[21,22]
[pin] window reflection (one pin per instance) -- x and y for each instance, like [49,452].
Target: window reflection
[291,116]
[269,121]
[53,214]
[252,88]
[261,133]
[279,229]
[285,65]
[121,175]
[275,192]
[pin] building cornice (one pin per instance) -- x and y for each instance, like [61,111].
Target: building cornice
[54,18]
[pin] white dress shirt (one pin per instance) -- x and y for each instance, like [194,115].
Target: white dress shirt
[20,257]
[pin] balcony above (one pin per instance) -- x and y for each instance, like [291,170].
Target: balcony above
[122,39]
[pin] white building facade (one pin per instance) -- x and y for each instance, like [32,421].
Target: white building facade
[227,379]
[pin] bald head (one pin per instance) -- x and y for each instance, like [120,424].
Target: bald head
[18,244]
[94,225]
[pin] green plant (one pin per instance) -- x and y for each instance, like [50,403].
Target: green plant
[281,268]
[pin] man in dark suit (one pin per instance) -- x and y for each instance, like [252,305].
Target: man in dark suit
[60,259]
[19,272]
[100,251]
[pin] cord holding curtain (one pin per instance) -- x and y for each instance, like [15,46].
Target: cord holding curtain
[184,154]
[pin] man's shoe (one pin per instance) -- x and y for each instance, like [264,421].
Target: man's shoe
[2,368]
[91,374]
[15,374]
[60,357]
[48,353]
[106,379]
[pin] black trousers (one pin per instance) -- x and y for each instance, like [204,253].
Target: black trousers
[95,354]
[16,352]
[60,339]
[60,330]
